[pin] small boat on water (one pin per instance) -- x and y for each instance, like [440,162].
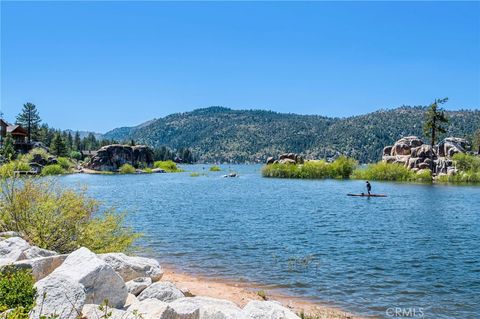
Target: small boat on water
[367,195]
[231,175]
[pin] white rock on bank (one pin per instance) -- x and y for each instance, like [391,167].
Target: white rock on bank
[267,310]
[202,308]
[36,252]
[164,291]
[41,267]
[133,267]
[137,285]
[92,311]
[59,296]
[148,308]
[11,250]
[131,299]
[101,282]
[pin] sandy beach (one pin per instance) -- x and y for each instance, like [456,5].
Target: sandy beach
[242,293]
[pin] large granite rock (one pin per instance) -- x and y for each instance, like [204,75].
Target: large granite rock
[137,285]
[267,310]
[148,308]
[58,296]
[112,157]
[11,250]
[404,145]
[101,282]
[41,267]
[133,267]
[163,290]
[202,308]
[453,145]
[36,252]
[286,158]
[92,311]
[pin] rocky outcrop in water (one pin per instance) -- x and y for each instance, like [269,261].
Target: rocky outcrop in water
[112,157]
[77,283]
[411,152]
[286,158]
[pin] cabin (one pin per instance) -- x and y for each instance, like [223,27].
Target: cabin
[18,133]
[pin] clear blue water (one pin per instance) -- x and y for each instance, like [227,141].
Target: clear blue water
[417,248]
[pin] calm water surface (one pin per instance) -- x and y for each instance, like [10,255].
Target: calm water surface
[417,248]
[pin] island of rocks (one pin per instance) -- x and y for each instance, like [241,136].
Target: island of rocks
[414,154]
[75,285]
[112,157]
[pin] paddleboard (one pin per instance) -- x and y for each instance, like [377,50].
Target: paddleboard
[366,195]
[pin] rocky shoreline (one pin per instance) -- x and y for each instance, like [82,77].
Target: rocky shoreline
[83,283]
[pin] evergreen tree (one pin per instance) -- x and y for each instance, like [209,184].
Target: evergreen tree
[476,141]
[69,141]
[8,150]
[77,142]
[58,146]
[30,120]
[435,117]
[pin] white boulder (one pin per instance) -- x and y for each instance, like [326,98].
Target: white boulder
[137,285]
[101,282]
[202,308]
[164,291]
[41,267]
[36,252]
[92,311]
[11,250]
[58,296]
[133,267]
[267,310]
[148,308]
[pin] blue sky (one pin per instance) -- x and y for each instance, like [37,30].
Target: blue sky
[101,65]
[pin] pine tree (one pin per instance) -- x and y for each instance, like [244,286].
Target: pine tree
[77,142]
[476,141]
[8,150]
[435,117]
[30,120]
[69,142]
[58,146]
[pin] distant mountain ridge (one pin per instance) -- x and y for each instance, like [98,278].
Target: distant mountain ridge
[219,134]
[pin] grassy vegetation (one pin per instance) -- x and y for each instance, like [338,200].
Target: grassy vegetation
[262,294]
[342,167]
[60,219]
[168,166]
[8,169]
[194,174]
[383,171]
[215,168]
[127,169]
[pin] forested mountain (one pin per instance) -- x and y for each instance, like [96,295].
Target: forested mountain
[222,134]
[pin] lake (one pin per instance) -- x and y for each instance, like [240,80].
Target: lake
[417,248]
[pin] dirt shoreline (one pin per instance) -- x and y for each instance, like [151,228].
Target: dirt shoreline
[242,293]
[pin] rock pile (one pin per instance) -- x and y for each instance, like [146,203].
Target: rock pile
[112,157]
[415,155]
[286,158]
[74,285]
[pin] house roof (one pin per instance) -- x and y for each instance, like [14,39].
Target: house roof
[16,129]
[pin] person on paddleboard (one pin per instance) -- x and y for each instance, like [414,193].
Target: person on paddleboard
[369,187]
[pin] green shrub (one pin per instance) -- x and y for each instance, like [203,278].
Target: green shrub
[169,166]
[60,219]
[65,163]
[8,169]
[16,290]
[148,170]
[127,169]
[383,171]
[76,155]
[54,169]
[342,167]
[466,162]
[215,168]
[194,174]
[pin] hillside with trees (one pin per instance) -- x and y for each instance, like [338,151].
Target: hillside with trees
[226,135]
